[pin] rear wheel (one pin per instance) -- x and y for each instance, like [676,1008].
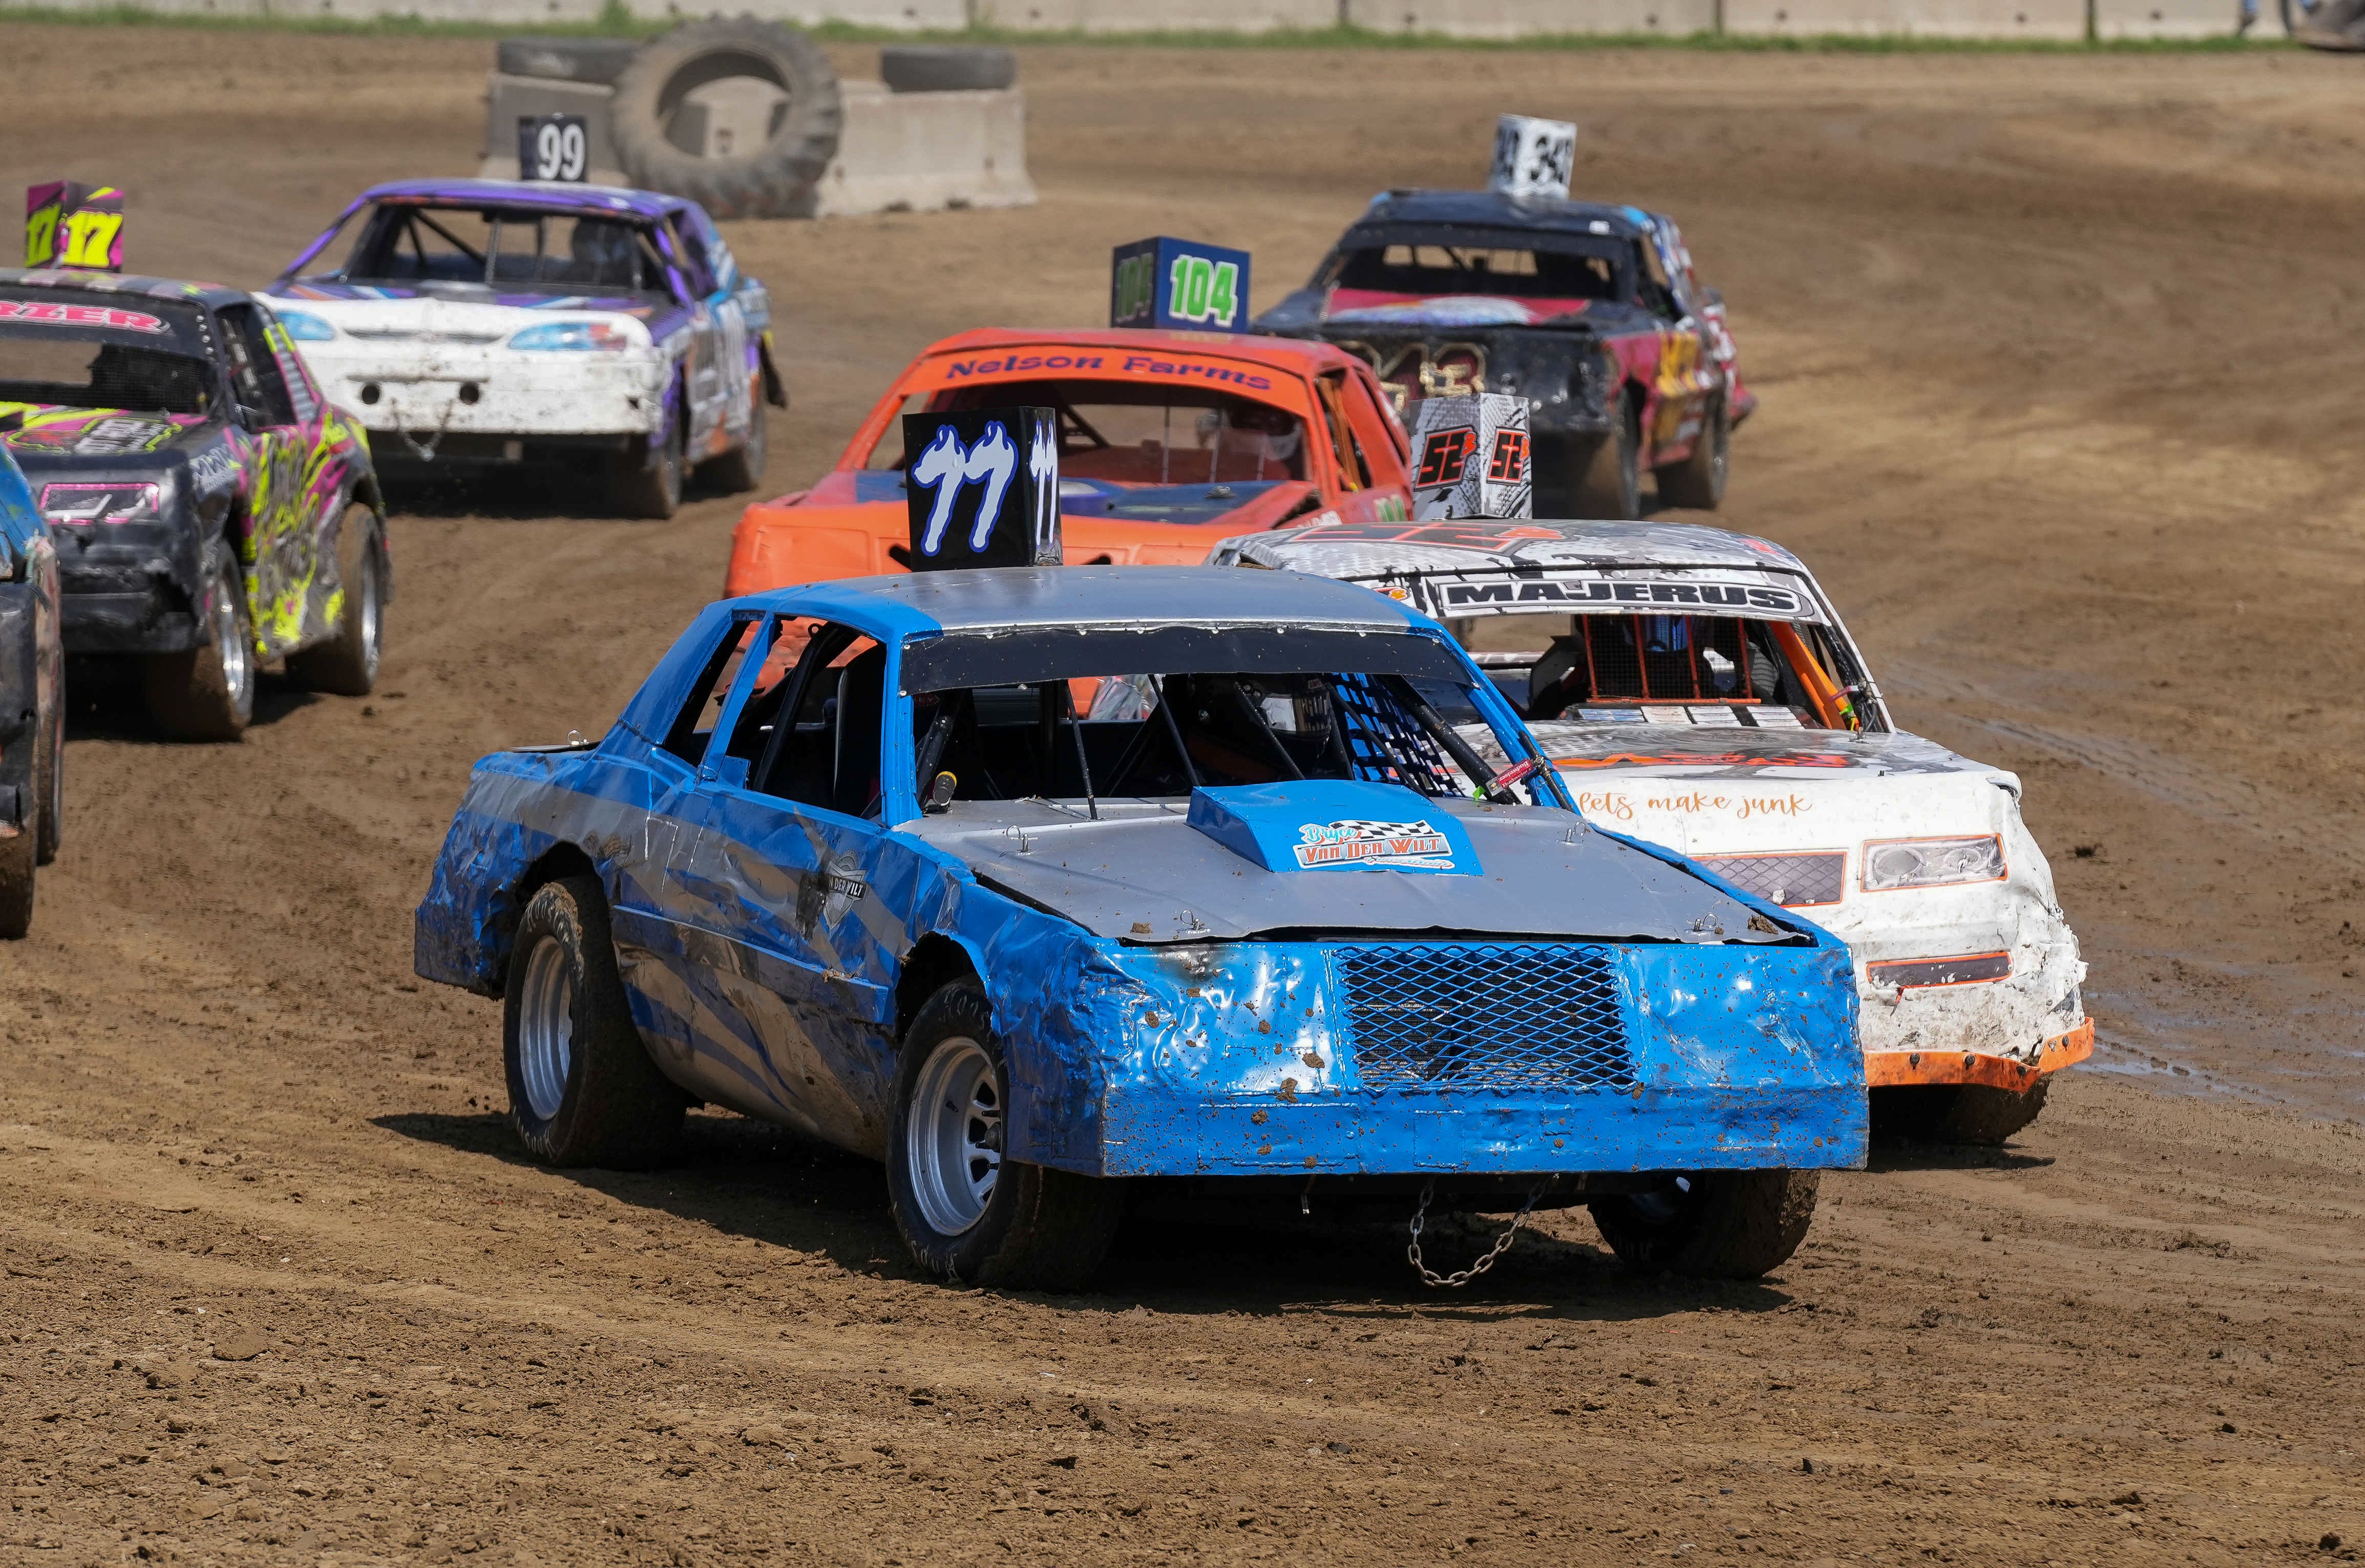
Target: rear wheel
[648,482]
[346,663]
[1956,1112]
[967,1214]
[1698,480]
[19,853]
[208,693]
[1733,1224]
[741,469]
[582,1088]
[1610,484]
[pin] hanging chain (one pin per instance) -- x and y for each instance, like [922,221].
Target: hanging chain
[1486,1260]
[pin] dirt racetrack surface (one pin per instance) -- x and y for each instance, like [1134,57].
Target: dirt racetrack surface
[2058,356]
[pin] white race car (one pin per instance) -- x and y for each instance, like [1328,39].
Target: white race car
[473,322]
[1697,690]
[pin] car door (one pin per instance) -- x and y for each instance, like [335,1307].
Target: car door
[732,379]
[1360,487]
[288,519]
[797,956]
[713,375]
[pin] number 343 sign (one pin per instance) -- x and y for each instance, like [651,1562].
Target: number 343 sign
[68,224]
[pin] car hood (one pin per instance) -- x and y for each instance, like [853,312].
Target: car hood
[1146,874]
[46,435]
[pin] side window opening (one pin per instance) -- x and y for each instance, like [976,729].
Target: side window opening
[1354,469]
[254,369]
[693,727]
[826,723]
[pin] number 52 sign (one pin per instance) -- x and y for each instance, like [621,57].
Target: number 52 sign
[68,224]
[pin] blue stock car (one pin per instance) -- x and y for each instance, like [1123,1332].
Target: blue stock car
[1051,886]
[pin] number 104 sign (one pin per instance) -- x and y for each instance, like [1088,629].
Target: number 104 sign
[1170,283]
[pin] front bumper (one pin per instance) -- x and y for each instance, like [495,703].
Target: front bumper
[126,608]
[1989,1069]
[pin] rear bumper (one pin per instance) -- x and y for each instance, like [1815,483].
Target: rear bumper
[1475,1133]
[1991,1069]
[493,392]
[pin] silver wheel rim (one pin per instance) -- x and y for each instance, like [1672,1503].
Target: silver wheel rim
[954,1136]
[237,658]
[546,1028]
[370,613]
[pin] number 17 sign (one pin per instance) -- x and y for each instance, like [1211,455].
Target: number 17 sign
[69,224]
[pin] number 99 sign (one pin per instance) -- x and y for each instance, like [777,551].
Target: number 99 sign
[554,146]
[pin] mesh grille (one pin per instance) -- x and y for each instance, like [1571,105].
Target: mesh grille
[1794,881]
[1485,1014]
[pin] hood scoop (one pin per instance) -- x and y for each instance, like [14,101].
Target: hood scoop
[1334,824]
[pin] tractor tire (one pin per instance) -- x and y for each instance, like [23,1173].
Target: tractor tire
[1732,1225]
[967,1214]
[767,183]
[597,61]
[945,68]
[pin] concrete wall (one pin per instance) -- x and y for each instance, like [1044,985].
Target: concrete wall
[2047,19]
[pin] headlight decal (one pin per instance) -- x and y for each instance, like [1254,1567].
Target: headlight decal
[74,503]
[306,328]
[1893,864]
[573,337]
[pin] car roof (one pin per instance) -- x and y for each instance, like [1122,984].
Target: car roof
[1292,356]
[1492,210]
[1370,550]
[65,278]
[528,193]
[1023,597]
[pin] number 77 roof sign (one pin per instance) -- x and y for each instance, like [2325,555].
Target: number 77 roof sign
[1167,283]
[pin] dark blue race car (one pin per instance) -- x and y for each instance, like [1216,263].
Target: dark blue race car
[1052,886]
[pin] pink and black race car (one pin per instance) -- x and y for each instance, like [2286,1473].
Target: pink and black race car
[1591,312]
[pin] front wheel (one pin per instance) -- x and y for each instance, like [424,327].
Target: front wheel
[1610,484]
[966,1212]
[1732,1225]
[346,665]
[208,693]
[582,1088]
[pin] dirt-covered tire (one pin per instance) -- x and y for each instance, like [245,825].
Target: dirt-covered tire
[742,468]
[945,68]
[50,785]
[1731,1224]
[770,182]
[1954,1113]
[582,1088]
[346,665]
[649,485]
[19,853]
[1610,486]
[967,1214]
[1698,480]
[208,693]
[565,59]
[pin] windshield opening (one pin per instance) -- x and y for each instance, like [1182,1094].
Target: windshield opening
[1136,434]
[1700,670]
[512,249]
[77,372]
[1534,267]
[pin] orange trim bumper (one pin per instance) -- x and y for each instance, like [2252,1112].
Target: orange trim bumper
[1888,1069]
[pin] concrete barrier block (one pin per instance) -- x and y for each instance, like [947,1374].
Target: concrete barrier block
[505,12]
[934,15]
[1532,19]
[2050,19]
[2172,18]
[925,153]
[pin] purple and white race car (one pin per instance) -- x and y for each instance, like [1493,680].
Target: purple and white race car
[476,322]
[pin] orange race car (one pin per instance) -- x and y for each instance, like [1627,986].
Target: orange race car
[1169,441]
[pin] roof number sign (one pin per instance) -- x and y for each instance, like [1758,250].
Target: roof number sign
[983,488]
[1177,284]
[554,146]
[69,224]
[1532,157]
[1470,457]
